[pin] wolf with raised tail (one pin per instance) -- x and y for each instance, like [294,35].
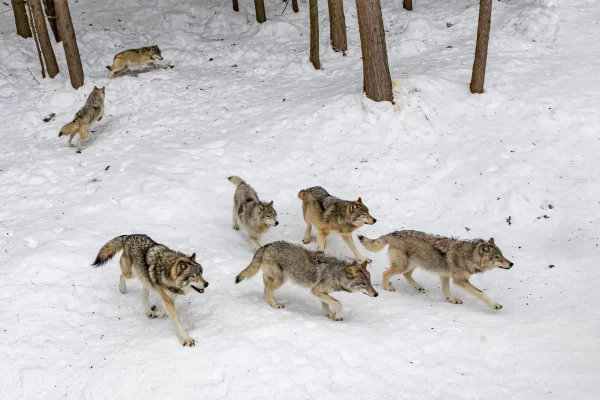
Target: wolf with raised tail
[92,111]
[168,272]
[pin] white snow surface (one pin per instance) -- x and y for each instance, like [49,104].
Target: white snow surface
[243,99]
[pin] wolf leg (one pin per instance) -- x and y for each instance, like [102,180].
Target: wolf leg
[412,282]
[335,305]
[272,283]
[306,239]
[321,239]
[83,135]
[234,220]
[152,312]
[469,288]
[255,242]
[350,243]
[326,309]
[126,273]
[71,136]
[446,290]
[396,268]
[184,338]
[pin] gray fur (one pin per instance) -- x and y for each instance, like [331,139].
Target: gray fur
[323,274]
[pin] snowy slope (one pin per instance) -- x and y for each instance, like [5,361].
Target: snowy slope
[244,100]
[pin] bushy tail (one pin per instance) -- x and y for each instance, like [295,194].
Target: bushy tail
[301,194]
[236,180]
[374,245]
[109,67]
[253,268]
[69,128]
[109,250]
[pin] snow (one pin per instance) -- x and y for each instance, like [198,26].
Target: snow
[442,161]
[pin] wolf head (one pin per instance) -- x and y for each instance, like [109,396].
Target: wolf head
[187,274]
[267,214]
[359,213]
[101,90]
[356,278]
[156,53]
[491,257]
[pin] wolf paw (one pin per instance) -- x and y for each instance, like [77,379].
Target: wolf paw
[187,341]
[368,260]
[454,300]
[332,316]
[156,312]
[389,288]
[236,228]
[496,306]
[306,241]
[78,151]
[277,305]
[420,289]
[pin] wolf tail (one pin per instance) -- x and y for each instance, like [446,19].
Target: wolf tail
[109,67]
[374,244]
[253,268]
[236,180]
[109,250]
[301,194]
[69,128]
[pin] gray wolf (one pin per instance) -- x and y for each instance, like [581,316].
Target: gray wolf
[321,273]
[135,58]
[449,258]
[92,111]
[168,272]
[330,214]
[254,215]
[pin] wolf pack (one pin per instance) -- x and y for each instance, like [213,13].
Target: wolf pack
[171,273]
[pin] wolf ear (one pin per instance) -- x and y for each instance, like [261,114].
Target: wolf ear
[270,204]
[261,207]
[364,264]
[491,241]
[351,272]
[359,200]
[193,257]
[95,88]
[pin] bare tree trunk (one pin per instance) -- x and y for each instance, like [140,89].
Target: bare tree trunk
[377,81]
[261,16]
[67,34]
[314,33]
[407,5]
[39,21]
[295,6]
[35,39]
[481,48]
[21,21]
[236,7]
[337,26]
[51,14]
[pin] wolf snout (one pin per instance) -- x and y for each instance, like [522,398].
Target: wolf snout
[374,220]
[276,223]
[205,284]
[376,294]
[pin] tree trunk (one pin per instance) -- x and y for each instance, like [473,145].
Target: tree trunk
[21,21]
[481,48]
[236,7]
[261,16]
[67,34]
[51,14]
[337,26]
[376,71]
[314,34]
[295,6]
[42,33]
[35,38]
[407,5]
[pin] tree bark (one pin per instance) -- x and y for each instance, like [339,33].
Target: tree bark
[337,26]
[39,21]
[314,33]
[21,21]
[35,39]
[51,14]
[236,7]
[481,48]
[407,4]
[376,71]
[295,6]
[259,6]
[67,34]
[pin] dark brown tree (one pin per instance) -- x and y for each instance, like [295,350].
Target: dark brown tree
[407,4]
[42,35]
[259,6]
[67,34]
[337,26]
[21,20]
[295,6]
[314,33]
[481,48]
[51,14]
[376,71]
[236,7]
[35,39]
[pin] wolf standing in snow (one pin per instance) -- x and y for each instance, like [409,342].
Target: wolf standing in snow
[254,215]
[330,214]
[449,258]
[92,111]
[168,272]
[135,58]
[321,273]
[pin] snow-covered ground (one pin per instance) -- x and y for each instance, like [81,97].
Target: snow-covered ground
[243,99]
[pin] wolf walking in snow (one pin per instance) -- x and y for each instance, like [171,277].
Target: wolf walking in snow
[321,273]
[254,215]
[92,111]
[168,272]
[330,214]
[449,258]
[136,58]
